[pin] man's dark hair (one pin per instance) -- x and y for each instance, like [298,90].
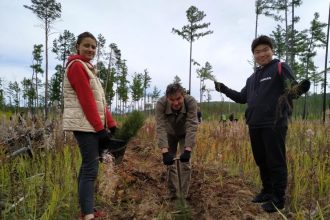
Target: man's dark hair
[263,39]
[173,88]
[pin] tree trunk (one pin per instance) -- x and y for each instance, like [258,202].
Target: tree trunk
[256,32]
[145,98]
[325,70]
[62,91]
[32,101]
[307,68]
[200,91]
[116,94]
[190,64]
[304,116]
[37,95]
[286,32]
[292,38]
[107,78]
[46,69]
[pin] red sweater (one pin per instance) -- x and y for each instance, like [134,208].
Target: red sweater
[79,81]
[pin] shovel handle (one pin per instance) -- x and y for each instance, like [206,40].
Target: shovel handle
[178,169]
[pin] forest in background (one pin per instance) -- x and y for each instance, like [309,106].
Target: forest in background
[126,91]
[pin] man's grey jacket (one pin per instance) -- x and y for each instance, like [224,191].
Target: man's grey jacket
[182,123]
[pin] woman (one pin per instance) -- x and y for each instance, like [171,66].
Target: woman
[86,114]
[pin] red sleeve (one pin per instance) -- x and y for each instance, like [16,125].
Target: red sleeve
[110,121]
[79,81]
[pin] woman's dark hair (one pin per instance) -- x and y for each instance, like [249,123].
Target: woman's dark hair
[263,39]
[173,88]
[85,35]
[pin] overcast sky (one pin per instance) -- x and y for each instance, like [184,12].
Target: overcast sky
[142,31]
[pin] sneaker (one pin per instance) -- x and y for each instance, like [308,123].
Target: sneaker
[273,205]
[82,217]
[99,214]
[262,197]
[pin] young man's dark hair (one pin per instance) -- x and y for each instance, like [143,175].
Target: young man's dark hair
[263,39]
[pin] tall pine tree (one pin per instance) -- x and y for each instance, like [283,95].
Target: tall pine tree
[47,11]
[193,31]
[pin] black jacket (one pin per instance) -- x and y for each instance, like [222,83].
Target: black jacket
[261,93]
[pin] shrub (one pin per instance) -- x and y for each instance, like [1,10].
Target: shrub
[130,126]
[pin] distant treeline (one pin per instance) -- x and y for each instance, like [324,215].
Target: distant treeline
[314,108]
[214,110]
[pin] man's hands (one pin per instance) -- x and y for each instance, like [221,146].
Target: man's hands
[185,156]
[168,159]
[218,85]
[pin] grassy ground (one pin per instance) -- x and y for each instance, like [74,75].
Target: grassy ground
[224,177]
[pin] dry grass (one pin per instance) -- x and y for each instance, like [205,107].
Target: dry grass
[225,176]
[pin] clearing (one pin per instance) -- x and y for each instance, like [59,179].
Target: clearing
[136,189]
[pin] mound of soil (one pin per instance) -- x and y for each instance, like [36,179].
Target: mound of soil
[140,191]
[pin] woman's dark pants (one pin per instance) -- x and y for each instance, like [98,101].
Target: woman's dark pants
[89,150]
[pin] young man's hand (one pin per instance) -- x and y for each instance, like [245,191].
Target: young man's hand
[304,86]
[218,86]
[297,90]
[168,158]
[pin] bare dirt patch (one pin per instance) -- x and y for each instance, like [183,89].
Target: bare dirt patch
[140,192]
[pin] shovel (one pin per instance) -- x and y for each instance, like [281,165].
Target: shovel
[182,205]
[178,169]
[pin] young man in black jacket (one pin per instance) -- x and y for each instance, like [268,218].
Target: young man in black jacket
[267,119]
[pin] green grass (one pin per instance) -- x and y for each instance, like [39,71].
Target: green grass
[308,154]
[41,188]
[46,186]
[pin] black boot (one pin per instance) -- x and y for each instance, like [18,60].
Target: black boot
[276,203]
[263,196]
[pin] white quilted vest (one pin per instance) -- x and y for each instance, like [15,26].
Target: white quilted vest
[74,118]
